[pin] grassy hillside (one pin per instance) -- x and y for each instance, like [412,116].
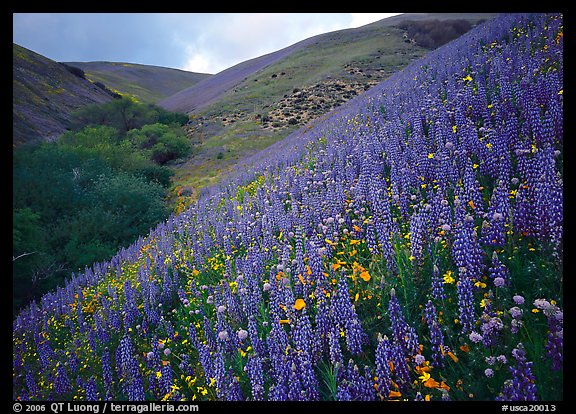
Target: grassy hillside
[146,83]
[406,247]
[252,105]
[44,93]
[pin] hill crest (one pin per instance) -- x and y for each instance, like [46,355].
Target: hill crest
[146,83]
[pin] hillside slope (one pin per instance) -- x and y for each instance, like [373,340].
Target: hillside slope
[245,108]
[146,83]
[210,90]
[207,92]
[407,247]
[44,93]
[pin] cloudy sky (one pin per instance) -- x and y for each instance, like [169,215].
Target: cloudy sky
[201,42]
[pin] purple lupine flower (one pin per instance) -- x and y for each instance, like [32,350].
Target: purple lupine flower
[499,271]
[302,333]
[437,285]
[323,323]
[344,315]
[206,360]
[258,344]
[220,375]
[308,377]
[166,379]
[404,334]
[343,393]
[371,240]
[127,367]
[466,250]
[334,346]
[62,385]
[294,385]
[472,187]
[548,194]
[465,304]
[185,366]
[383,358]
[418,229]
[436,335]
[106,370]
[234,391]
[101,331]
[491,326]
[278,392]
[209,335]
[401,369]
[91,390]
[256,376]
[183,297]
[45,353]
[355,387]
[384,239]
[522,386]
[73,362]
[193,335]
[33,390]
[493,231]
[367,390]
[555,343]
[355,335]
[153,357]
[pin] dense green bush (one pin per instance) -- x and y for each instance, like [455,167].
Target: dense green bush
[124,114]
[96,189]
[163,143]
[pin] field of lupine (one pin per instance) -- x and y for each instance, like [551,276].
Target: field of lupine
[407,247]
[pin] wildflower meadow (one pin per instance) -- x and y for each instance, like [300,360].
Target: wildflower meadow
[408,246]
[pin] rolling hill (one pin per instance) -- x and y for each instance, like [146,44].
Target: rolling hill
[251,105]
[44,93]
[408,246]
[146,83]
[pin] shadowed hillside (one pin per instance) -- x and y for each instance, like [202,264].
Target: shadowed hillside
[44,93]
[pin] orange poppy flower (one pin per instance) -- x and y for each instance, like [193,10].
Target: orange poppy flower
[300,304]
[431,383]
[365,276]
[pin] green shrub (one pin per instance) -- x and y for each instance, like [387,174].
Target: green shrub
[164,143]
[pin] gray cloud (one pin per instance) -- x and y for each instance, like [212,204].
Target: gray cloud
[199,42]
